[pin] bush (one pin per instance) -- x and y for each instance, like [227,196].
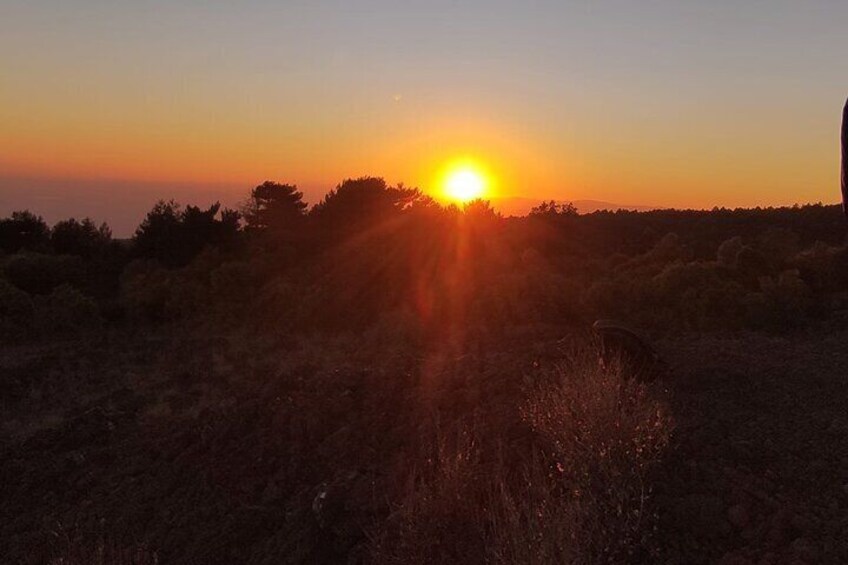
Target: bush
[603,436]
[728,251]
[580,492]
[16,310]
[783,302]
[66,309]
[146,291]
[37,273]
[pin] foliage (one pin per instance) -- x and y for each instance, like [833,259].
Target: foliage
[365,203]
[370,251]
[66,309]
[23,230]
[70,237]
[40,273]
[274,206]
[551,209]
[174,236]
[16,310]
[578,489]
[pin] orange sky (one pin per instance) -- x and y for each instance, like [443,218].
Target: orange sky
[665,105]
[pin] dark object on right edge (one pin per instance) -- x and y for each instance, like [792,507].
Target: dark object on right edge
[620,344]
[844,176]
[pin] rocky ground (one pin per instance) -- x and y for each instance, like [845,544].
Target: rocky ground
[759,472]
[105,437]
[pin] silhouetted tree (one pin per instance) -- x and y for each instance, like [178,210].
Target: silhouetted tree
[40,273]
[71,237]
[274,206]
[158,232]
[202,227]
[174,236]
[362,203]
[480,210]
[23,230]
[550,209]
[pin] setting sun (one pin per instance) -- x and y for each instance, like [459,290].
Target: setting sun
[465,182]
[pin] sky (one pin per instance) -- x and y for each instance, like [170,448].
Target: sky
[659,103]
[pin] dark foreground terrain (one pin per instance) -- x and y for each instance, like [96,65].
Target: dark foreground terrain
[139,449]
[381,379]
[759,473]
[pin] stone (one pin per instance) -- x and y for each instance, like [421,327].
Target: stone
[734,558]
[739,515]
[806,550]
[778,531]
[803,523]
[768,559]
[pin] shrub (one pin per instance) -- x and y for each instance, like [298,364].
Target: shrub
[751,264]
[580,492]
[783,302]
[728,251]
[145,291]
[66,309]
[16,310]
[603,435]
[37,273]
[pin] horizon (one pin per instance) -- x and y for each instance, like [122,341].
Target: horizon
[93,199]
[667,105]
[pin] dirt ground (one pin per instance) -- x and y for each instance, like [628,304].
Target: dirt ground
[100,440]
[759,472]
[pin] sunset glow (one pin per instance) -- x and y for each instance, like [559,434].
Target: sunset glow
[624,119]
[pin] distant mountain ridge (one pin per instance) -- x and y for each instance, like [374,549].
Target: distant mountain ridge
[520,206]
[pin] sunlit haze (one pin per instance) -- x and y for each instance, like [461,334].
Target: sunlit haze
[684,104]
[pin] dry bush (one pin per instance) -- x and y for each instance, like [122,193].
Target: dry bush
[440,519]
[103,554]
[604,435]
[72,547]
[576,489]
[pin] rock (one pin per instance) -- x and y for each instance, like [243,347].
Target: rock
[778,531]
[742,450]
[319,501]
[739,515]
[734,558]
[803,523]
[768,559]
[806,550]
[703,513]
[838,427]
[817,467]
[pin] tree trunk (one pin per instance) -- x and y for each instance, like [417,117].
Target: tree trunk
[844,177]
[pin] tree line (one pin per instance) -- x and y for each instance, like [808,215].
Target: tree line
[369,251]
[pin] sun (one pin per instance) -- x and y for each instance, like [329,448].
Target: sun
[464,183]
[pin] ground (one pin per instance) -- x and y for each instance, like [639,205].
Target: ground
[157,445]
[759,472]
